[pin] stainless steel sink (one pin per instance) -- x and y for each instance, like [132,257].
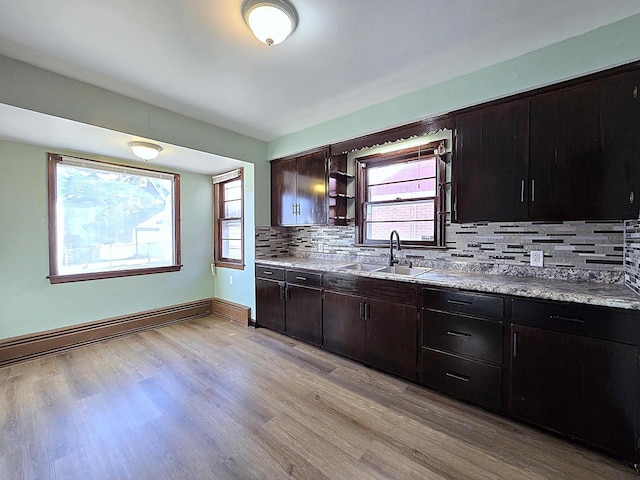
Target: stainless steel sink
[404,270]
[362,267]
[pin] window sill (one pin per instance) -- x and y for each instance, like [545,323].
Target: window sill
[405,246]
[235,266]
[81,277]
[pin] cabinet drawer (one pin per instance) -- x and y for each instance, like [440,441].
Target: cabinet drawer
[463,335]
[273,273]
[466,379]
[600,322]
[463,302]
[302,277]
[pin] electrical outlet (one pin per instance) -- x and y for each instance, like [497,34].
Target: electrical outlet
[230,280]
[537,258]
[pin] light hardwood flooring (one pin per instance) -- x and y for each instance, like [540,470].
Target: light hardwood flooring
[209,399]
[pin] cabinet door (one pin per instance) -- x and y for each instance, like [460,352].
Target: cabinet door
[304,313]
[491,163]
[343,325]
[566,155]
[610,396]
[546,379]
[270,306]
[392,337]
[620,172]
[283,192]
[312,189]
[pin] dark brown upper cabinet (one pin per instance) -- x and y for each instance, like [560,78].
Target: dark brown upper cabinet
[567,152]
[299,190]
[582,150]
[491,163]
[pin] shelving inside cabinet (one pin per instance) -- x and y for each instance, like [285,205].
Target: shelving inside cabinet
[341,191]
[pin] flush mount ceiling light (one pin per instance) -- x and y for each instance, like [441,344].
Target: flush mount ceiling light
[270,20]
[145,150]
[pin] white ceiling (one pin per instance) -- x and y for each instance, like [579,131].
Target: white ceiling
[198,58]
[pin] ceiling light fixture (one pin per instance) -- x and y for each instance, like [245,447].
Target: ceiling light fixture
[145,150]
[270,20]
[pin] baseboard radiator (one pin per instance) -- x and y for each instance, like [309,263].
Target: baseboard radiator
[42,343]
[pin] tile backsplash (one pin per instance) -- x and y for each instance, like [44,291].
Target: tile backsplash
[632,255]
[584,250]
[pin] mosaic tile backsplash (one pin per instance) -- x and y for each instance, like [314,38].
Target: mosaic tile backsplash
[632,255]
[581,250]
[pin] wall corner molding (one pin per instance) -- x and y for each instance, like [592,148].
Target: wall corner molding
[233,311]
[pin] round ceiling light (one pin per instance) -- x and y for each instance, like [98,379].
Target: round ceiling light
[271,21]
[145,150]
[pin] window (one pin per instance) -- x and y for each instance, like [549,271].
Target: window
[401,191]
[108,220]
[228,220]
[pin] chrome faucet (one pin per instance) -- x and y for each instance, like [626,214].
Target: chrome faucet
[393,260]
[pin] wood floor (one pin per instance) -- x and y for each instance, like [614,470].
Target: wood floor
[209,399]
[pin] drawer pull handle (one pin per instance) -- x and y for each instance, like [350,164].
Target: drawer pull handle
[566,319]
[266,272]
[301,278]
[459,302]
[457,376]
[458,334]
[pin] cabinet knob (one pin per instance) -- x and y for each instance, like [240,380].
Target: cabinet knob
[635,91]
[631,197]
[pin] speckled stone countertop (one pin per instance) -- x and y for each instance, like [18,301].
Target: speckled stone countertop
[591,293]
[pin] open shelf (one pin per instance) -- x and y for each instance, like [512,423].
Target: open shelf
[341,191]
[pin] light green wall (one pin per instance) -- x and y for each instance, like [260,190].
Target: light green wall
[29,303]
[239,285]
[39,90]
[608,46]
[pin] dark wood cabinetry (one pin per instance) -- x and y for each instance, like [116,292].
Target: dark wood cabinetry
[581,151]
[343,325]
[461,345]
[290,302]
[391,336]
[381,332]
[569,368]
[578,385]
[299,190]
[270,296]
[491,163]
[304,306]
[568,152]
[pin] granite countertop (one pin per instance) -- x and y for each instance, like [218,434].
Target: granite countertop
[591,293]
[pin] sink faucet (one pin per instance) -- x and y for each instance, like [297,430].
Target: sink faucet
[393,260]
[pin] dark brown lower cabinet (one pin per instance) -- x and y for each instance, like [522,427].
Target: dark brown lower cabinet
[381,334]
[270,304]
[343,325]
[304,313]
[391,337]
[290,301]
[582,387]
